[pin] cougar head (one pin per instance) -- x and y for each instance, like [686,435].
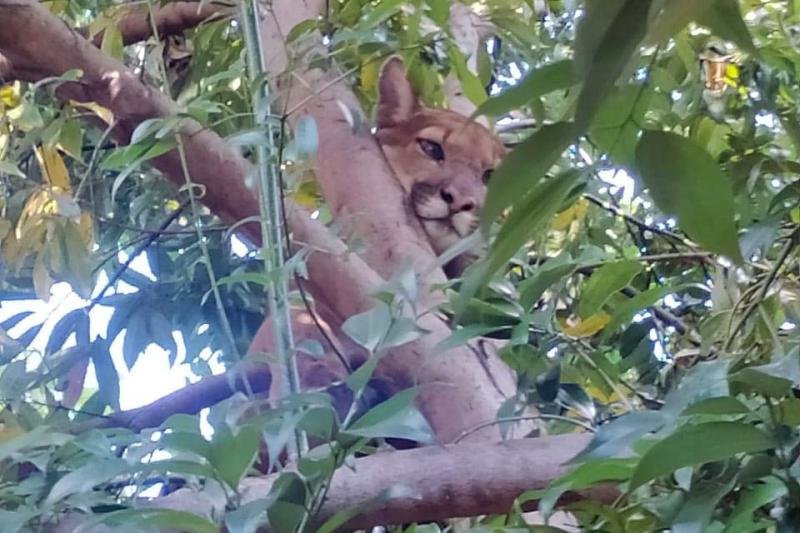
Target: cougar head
[442,159]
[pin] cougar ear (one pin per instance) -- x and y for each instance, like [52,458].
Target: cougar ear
[396,98]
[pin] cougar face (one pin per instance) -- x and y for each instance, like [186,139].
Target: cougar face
[442,159]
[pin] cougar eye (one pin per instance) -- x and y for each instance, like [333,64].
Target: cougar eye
[432,149]
[487,175]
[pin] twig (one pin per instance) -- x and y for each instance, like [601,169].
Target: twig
[762,293]
[466,433]
[521,124]
[135,253]
[159,231]
[670,319]
[640,223]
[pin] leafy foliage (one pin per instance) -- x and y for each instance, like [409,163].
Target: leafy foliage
[641,277]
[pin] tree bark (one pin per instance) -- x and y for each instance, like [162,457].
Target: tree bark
[461,388]
[169,19]
[438,482]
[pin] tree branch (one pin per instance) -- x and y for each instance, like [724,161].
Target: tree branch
[169,19]
[461,480]
[460,389]
[190,400]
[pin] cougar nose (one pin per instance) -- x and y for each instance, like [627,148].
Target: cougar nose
[456,201]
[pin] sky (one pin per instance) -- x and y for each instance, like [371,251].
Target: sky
[149,379]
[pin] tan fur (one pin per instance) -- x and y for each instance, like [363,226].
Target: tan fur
[469,151]
[446,195]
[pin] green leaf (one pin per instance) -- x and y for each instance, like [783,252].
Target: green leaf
[159,331]
[63,329]
[584,476]
[86,477]
[14,380]
[136,338]
[396,418]
[369,328]
[112,44]
[174,466]
[698,444]
[187,442]
[605,281]
[462,335]
[531,289]
[107,377]
[699,505]
[337,521]
[147,518]
[232,455]
[724,17]
[614,128]
[300,29]
[402,331]
[522,169]
[383,10]
[603,47]
[774,379]
[306,136]
[685,181]
[26,116]
[10,168]
[673,18]
[625,311]
[38,436]
[705,380]
[598,17]
[70,139]
[358,380]
[439,11]
[755,497]
[538,82]
[253,137]
[532,213]
[470,83]
[616,438]
[77,270]
[722,405]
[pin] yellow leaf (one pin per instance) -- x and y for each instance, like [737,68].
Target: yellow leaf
[172,205]
[112,44]
[599,394]
[106,115]
[732,74]
[11,251]
[9,94]
[57,7]
[97,25]
[5,227]
[53,168]
[41,278]
[575,212]
[587,328]
[77,270]
[9,427]
[369,75]
[86,225]
[307,195]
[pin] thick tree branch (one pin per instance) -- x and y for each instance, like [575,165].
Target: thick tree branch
[460,388]
[189,400]
[450,481]
[170,19]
